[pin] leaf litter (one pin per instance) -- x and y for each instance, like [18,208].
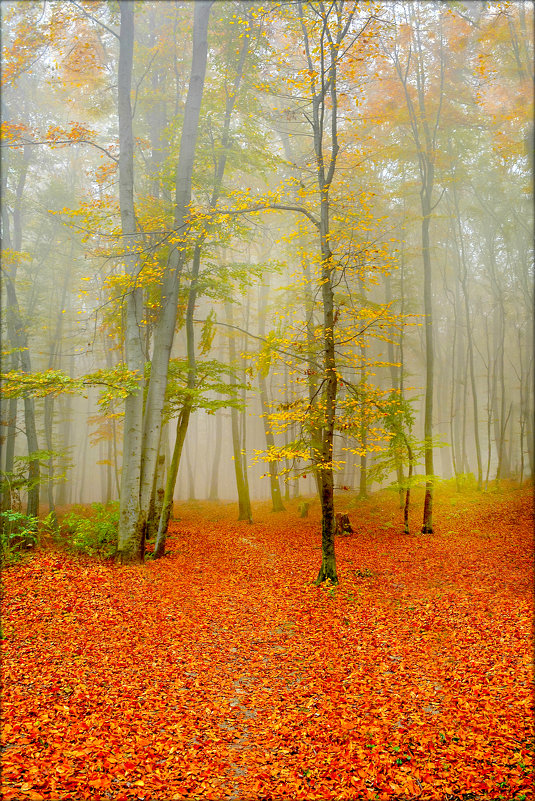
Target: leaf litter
[222,671]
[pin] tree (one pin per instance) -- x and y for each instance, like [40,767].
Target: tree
[136,494]
[333,40]
[276,499]
[425,118]
[131,535]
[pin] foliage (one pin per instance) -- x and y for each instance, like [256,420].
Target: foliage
[398,421]
[94,534]
[16,481]
[17,533]
[118,383]
[189,678]
[463,482]
[209,383]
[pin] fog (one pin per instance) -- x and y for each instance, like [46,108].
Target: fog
[199,247]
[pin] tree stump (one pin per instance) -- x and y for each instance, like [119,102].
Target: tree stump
[303,509]
[342,524]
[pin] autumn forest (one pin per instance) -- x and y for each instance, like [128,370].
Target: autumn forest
[267,400]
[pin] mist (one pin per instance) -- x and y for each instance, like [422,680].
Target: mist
[243,260]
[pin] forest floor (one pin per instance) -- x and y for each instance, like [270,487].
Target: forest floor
[222,671]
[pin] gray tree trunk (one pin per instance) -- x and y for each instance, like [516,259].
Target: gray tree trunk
[276,499]
[244,502]
[165,326]
[424,133]
[131,535]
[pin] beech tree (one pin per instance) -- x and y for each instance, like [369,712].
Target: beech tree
[143,433]
[150,150]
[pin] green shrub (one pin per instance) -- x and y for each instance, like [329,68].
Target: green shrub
[93,533]
[18,533]
[462,482]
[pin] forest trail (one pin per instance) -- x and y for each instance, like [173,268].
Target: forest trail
[223,672]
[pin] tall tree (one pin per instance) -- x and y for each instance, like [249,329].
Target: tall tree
[424,104]
[134,497]
[131,536]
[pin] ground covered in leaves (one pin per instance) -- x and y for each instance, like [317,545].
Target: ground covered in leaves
[222,672]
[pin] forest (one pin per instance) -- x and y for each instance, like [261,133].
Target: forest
[267,399]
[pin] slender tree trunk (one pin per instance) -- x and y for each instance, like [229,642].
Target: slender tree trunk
[65,403]
[326,476]
[287,466]
[363,465]
[424,132]
[113,457]
[213,494]
[490,374]
[83,461]
[157,498]
[184,418]
[427,525]
[276,500]
[143,430]
[9,451]
[109,482]
[461,256]
[325,171]
[48,426]
[244,502]
[406,506]
[394,379]
[54,345]
[243,410]
[186,412]
[19,339]
[17,332]
[165,326]
[172,473]
[464,457]
[191,448]
[528,407]
[454,412]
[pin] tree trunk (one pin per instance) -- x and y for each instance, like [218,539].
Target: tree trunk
[394,378]
[325,470]
[9,450]
[183,422]
[48,426]
[363,464]
[406,506]
[424,133]
[17,334]
[244,502]
[276,499]
[131,535]
[427,525]
[143,431]
[213,494]
[54,345]
[157,499]
[464,284]
[172,473]
[165,326]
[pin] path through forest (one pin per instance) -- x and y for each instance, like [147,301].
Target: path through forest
[221,671]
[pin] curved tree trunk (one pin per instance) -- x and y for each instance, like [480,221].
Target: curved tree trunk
[183,421]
